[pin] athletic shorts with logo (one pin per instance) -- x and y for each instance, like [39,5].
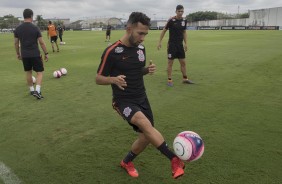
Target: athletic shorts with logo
[127,108]
[175,51]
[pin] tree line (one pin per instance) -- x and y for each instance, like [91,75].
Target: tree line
[212,15]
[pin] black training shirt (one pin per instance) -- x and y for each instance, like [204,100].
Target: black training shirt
[176,28]
[28,34]
[119,59]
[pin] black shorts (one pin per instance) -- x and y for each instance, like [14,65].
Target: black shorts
[108,33]
[127,108]
[175,51]
[33,63]
[53,39]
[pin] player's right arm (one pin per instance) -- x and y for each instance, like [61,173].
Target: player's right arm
[161,38]
[107,80]
[103,76]
[163,33]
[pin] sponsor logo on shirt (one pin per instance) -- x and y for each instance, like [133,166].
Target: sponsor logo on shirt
[183,23]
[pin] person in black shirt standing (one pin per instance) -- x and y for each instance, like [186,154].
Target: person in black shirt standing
[108,33]
[28,35]
[123,65]
[61,32]
[177,34]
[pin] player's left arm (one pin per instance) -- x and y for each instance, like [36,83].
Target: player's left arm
[149,69]
[43,47]
[185,40]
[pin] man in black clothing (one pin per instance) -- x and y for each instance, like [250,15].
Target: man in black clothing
[123,65]
[28,35]
[108,33]
[61,32]
[175,48]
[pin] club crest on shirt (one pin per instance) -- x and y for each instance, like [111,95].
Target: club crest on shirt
[127,111]
[119,49]
[141,55]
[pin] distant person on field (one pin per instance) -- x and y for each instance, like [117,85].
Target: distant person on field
[60,30]
[123,65]
[108,33]
[26,38]
[52,34]
[175,48]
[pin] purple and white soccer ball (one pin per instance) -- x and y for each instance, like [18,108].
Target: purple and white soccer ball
[188,146]
[57,74]
[63,71]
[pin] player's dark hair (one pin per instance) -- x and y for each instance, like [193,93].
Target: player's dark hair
[27,13]
[136,17]
[179,7]
[50,22]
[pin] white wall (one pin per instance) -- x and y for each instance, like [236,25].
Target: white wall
[263,17]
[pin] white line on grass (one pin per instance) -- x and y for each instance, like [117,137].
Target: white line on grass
[7,175]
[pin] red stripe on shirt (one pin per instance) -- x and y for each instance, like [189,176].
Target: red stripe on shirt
[106,56]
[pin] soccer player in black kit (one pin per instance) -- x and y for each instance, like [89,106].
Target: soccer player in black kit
[61,32]
[175,48]
[108,33]
[29,36]
[123,65]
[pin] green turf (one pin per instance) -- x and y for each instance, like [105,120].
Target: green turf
[74,137]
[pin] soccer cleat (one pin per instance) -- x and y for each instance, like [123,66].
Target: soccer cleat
[32,93]
[187,81]
[37,95]
[169,83]
[177,167]
[130,169]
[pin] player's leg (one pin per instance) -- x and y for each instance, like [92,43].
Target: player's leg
[27,64]
[183,67]
[157,140]
[56,38]
[169,72]
[29,81]
[137,147]
[38,67]
[183,71]
[171,51]
[180,54]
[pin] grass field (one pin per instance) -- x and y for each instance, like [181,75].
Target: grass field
[73,136]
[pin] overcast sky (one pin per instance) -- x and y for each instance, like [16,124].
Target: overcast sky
[155,9]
